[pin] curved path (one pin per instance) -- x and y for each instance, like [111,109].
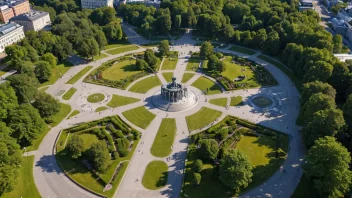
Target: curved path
[51,182]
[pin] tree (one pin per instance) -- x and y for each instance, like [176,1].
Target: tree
[46,104]
[50,58]
[26,87]
[75,146]
[197,178]
[235,169]
[347,107]
[215,64]
[99,156]
[327,165]
[198,166]
[8,100]
[316,87]
[228,32]
[42,71]
[164,22]
[337,39]
[209,149]
[113,30]
[141,64]
[178,21]
[163,48]
[150,58]
[206,50]
[15,51]
[321,71]
[90,48]
[272,44]
[191,18]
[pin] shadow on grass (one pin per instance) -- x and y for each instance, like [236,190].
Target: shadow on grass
[131,67]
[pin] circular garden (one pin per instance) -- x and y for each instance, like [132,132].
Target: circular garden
[262,101]
[95,98]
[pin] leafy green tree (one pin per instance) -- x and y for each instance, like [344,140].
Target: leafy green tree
[178,21]
[163,48]
[103,15]
[26,87]
[150,58]
[228,32]
[46,104]
[113,30]
[215,64]
[235,169]
[99,156]
[321,71]
[100,39]
[8,100]
[75,146]
[337,39]
[191,18]
[42,71]
[197,178]
[272,44]
[164,23]
[259,38]
[147,29]
[347,107]
[141,64]
[50,58]
[15,51]
[206,50]
[198,166]
[327,165]
[316,87]
[209,149]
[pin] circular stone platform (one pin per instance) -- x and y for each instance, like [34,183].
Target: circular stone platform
[263,101]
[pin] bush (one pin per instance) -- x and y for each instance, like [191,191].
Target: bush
[122,146]
[223,134]
[115,155]
[117,134]
[197,178]
[110,140]
[136,134]
[198,166]
[98,132]
[78,128]
[130,138]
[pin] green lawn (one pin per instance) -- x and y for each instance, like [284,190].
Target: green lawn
[116,45]
[43,89]
[207,85]
[305,189]
[101,56]
[219,101]
[95,98]
[24,186]
[169,63]
[122,49]
[139,116]
[99,109]
[118,101]
[2,73]
[57,72]
[145,85]
[75,112]
[65,109]
[79,75]
[155,175]
[235,101]
[164,138]
[242,50]
[69,93]
[168,76]
[284,69]
[186,77]
[193,63]
[88,139]
[202,118]
[121,70]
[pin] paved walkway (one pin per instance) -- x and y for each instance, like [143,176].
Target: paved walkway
[51,182]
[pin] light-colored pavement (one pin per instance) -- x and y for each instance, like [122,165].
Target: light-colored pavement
[52,183]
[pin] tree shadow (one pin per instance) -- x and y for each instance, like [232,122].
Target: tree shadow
[130,68]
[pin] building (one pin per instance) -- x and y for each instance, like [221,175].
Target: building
[35,20]
[10,33]
[154,3]
[306,5]
[339,26]
[93,4]
[9,9]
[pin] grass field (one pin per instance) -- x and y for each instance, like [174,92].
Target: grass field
[101,56]
[155,175]
[186,77]
[219,101]
[168,76]
[75,112]
[95,98]
[121,70]
[24,186]
[65,109]
[193,63]
[204,84]
[57,72]
[169,63]
[69,93]
[122,49]
[242,50]
[2,73]
[99,109]
[164,138]
[202,118]
[43,89]
[236,101]
[79,75]
[118,101]
[139,116]
[116,45]
[145,85]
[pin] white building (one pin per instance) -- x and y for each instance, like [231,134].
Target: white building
[35,20]
[306,5]
[10,33]
[93,4]
[154,3]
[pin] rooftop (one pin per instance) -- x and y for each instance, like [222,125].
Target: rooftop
[6,28]
[32,16]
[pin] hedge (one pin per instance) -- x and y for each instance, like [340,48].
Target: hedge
[122,146]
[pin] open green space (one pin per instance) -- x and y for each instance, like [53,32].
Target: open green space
[121,70]
[235,101]
[57,72]
[94,98]
[79,75]
[25,186]
[169,63]
[43,89]
[207,86]
[202,118]
[2,73]
[99,109]
[118,101]
[75,112]
[305,188]
[168,76]
[242,50]
[122,49]
[193,63]
[65,109]
[101,56]
[219,101]
[145,85]
[69,93]
[186,77]
[155,175]
[116,44]
[139,116]
[164,138]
